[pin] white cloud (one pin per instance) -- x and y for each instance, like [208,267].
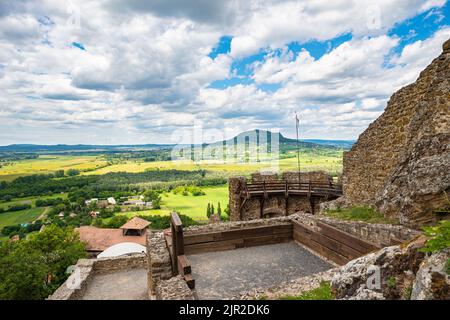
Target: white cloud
[146,70]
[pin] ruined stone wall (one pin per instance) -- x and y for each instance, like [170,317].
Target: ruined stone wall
[85,269]
[377,233]
[174,288]
[159,263]
[401,162]
[275,205]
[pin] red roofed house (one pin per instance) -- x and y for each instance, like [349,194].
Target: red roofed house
[99,239]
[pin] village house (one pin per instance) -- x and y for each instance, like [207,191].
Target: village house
[99,239]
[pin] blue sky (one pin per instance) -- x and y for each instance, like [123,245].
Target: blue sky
[116,71]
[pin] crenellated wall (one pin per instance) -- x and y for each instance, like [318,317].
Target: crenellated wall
[274,205]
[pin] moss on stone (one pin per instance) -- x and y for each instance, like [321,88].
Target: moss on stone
[323,292]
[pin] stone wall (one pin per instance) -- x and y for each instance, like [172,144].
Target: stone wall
[174,288]
[85,269]
[379,234]
[159,263]
[401,162]
[275,205]
[235,225]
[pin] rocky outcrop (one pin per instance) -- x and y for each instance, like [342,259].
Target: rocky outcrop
[401,163]
[396,272]
[432,282]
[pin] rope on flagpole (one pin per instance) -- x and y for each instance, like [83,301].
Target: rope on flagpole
[297,125]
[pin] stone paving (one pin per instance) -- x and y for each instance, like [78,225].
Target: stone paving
[122,285]
[224,274]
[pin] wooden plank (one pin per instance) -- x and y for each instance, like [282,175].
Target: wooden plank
[190,281]
[176,221]
[332,244]
[322,250]
[236,234]
[184,266]
[251,232]
[199,238]
[347,239]
[214,246]
[264,240]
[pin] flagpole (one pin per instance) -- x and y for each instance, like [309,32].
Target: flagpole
[297,125]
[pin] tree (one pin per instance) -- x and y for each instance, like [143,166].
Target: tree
[208,210]
[212,209]
[59,173]
[154,197]
[219,210]
[115,222]
[72,172]
[227,210]
[33,268]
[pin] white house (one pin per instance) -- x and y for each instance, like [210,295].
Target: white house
[111,200]
[88,202]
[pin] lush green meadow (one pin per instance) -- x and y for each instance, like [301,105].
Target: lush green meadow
[18,217]
[192,206]
[30,200]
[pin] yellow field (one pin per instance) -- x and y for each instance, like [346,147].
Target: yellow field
[48,164]
[329,164]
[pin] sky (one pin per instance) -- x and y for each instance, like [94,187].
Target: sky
[135,72]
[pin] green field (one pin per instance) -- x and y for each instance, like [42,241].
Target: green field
[17,217]
[194,207]
[30,200]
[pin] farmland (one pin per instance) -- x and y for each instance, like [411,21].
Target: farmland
[97,165]
[9,170]
[75,175]
[18,217]
[192,206]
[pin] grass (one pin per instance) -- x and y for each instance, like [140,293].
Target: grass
[30,200]
[48,164]
[17,217]
[192,206]
[364,214]
[323,292]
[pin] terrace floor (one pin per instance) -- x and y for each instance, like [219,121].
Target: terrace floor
[224,274]
[120,285]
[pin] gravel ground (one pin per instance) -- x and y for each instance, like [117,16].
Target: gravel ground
[121,285]
[224,274]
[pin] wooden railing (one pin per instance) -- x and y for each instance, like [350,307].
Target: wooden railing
[292,186]
[180,263]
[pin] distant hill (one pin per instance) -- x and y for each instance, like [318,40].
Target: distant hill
[244,136]
[284,141]
[79,147]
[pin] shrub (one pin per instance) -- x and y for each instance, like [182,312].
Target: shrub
[72,172]
[163,222]
[18,207]
[365,214]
